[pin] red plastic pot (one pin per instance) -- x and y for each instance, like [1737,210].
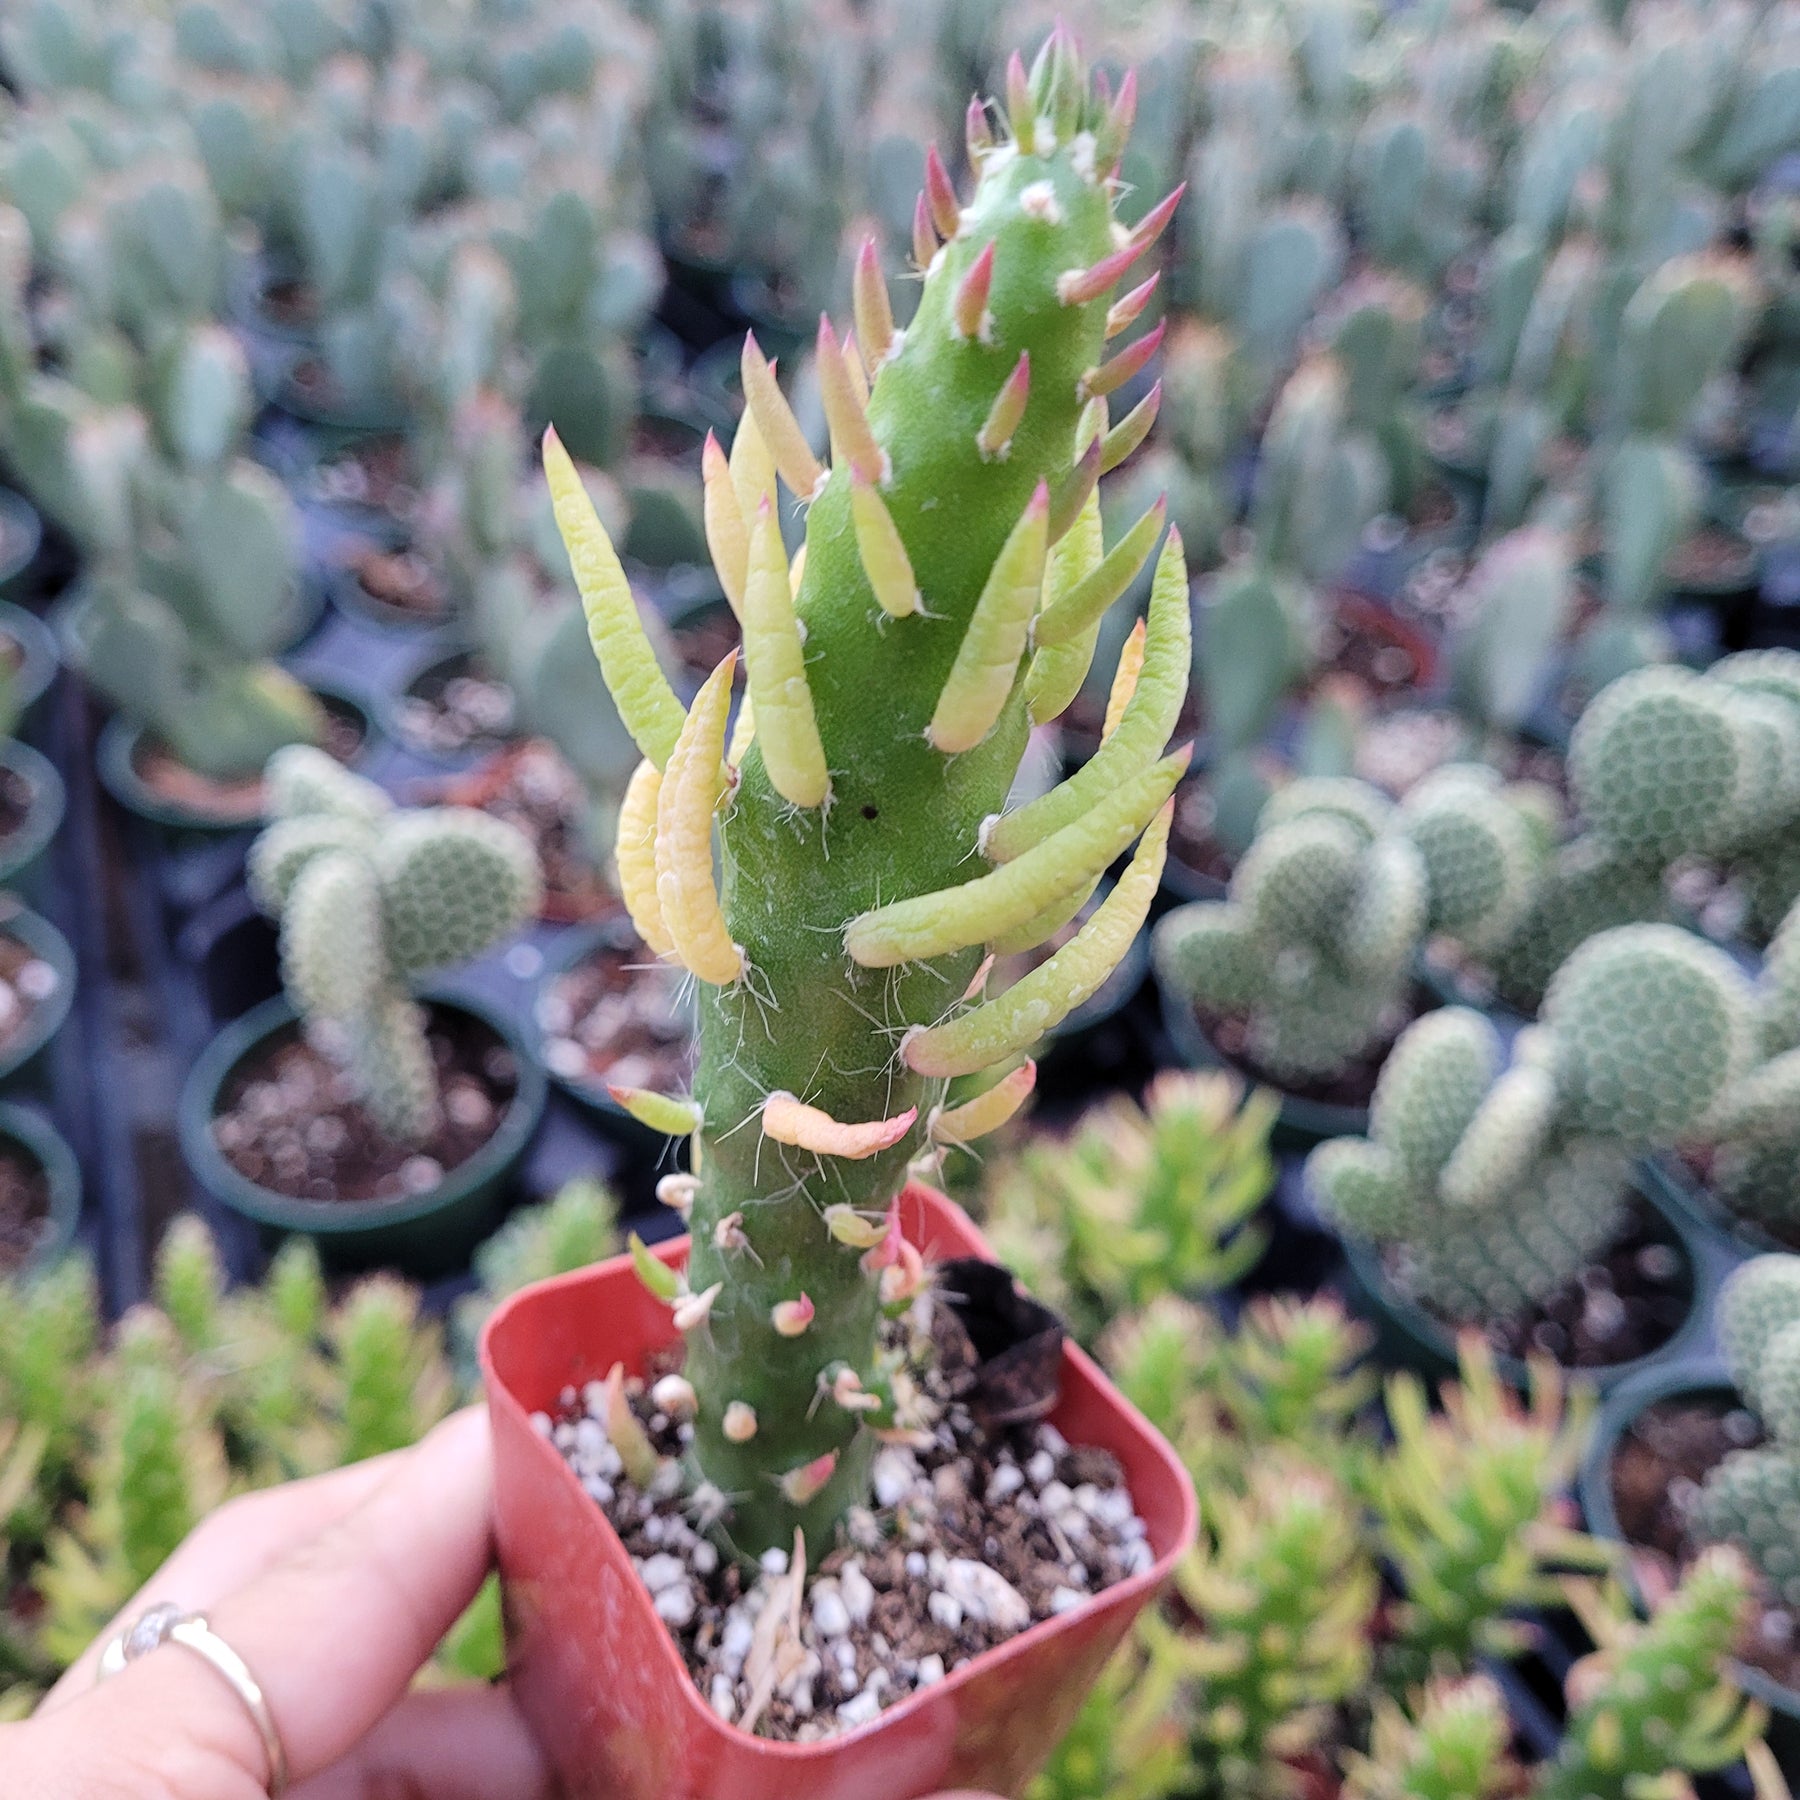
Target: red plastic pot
[599,1677]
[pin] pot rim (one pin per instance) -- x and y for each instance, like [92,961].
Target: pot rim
[1437,1339]
[573,948]
[38,656]
[42,938]
[1142,1587]
[44,817]
[31,523]
[1620,1410]
[31,1132]
[197,1109]
[121,735]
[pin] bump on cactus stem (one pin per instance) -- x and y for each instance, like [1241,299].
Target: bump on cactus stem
[1496,1186]
[369,898]
[928,546]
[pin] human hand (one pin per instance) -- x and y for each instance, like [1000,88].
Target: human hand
[334,1591]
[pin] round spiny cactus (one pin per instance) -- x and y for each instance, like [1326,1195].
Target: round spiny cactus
[1651,1024]
[1496,1185]
[1753,1498]
[368,896]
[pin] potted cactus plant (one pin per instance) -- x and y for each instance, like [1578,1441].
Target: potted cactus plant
[1500,1191]
[1302,975]
[383,1125]
[1709,1454]
[40,1191]
[954,582]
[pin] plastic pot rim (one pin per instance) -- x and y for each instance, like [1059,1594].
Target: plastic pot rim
[42,938]
[49,1149]
[115,763]
[45,816]
[1436,1339]
[220,1059]
[1619,1411]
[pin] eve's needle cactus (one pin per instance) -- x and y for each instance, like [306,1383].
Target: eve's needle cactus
[836,877]
[369,896]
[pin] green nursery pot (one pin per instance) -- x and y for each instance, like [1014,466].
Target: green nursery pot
[36,659]
[1703,1381]
[1300,1124]
[116,755]
[1410,1337]
[18,1061]
[1739,1237]
[22,855]
[21,532]
[35,1139]
[423,1235]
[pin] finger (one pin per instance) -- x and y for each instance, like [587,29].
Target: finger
[336,1629]
[463,1743]
[230,1548]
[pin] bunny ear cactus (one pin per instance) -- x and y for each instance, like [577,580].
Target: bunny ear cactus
[1679,332]
[1754,1125]
[1497,1184]
[953,584]
[1751,1498]
[1663,764]
[1314,943]
[1508,620]
[369,897]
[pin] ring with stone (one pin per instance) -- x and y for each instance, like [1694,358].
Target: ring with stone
[170,1624]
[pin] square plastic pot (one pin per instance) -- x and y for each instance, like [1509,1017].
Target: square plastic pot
[601,1680]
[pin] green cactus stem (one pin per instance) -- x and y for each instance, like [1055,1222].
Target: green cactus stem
[1496,1184]
[369,897]
[1453,1744]
[888,689]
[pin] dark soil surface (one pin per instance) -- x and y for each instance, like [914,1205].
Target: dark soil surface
[239,800]
[705,637]
[26,983]
[1658,1467]
[1698,1159]
[405,581]
[976,1535]
[1362,640]
[452,708]
[290,1121]
[1625,1306]
[616,1017]
[24,1206]
[530,786]
[1351,1087]
[374,471]
[1434,508]
[13,538]
[290,303]
[16,796]
[1712,559]
[1191,840]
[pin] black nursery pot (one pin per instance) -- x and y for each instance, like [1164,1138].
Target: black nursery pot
[182,827]
[28,1136]
[1410,1336]
[1301,1122]
[1738,1237]
[1705,1382]
[424,1235]
[22,851]
[21,533]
